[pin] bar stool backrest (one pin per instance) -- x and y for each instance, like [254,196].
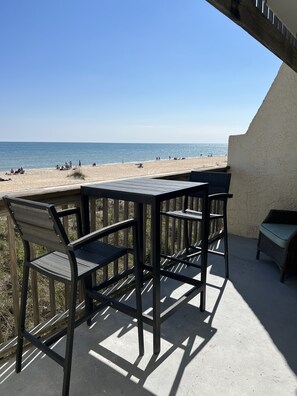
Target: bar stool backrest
[38,223]
[218,182]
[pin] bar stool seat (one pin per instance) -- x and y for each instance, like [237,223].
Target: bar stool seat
[218,185]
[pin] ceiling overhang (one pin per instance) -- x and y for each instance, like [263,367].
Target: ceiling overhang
[265,25]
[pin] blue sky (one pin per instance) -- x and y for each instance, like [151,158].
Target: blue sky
[127,71]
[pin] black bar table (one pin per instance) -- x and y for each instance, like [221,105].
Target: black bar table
[152,192]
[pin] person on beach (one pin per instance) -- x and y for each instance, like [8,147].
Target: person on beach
[19,171]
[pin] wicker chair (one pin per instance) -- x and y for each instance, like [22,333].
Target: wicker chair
[278,239]
[68,262]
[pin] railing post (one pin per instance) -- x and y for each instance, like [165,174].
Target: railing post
[126,239]
[66,226]
[166,232]
[34,286]
[116,235]
[1,335]
[146,249]
[52,297]
[194,226]
[105,239]
[93,214]
[65,220]
[173,225]
[13,271]
[179,225]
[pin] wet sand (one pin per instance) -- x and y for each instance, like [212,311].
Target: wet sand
[44,178]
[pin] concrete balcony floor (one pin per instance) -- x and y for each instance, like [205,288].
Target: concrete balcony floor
[245,343]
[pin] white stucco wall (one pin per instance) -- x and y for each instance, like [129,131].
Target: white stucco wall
[264,160]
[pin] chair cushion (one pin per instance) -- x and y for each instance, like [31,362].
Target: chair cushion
[278,233]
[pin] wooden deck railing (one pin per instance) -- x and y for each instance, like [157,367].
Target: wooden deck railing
[47,303]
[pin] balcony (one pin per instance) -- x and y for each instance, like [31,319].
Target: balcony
[244,343]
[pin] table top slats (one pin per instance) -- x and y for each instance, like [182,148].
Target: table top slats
[143,190]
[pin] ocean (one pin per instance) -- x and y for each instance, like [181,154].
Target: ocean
[30,155]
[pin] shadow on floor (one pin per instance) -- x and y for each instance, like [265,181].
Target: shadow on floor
[233,346]
[274,303]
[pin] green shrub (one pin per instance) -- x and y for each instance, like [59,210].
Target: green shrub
[77,174]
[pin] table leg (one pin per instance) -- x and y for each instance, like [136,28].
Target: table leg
[139,217]
[155,262]
[85,212]
[204,243]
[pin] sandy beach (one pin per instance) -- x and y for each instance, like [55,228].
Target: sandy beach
[44,178]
